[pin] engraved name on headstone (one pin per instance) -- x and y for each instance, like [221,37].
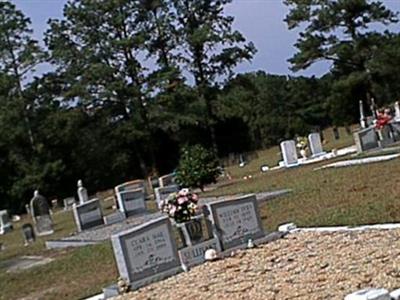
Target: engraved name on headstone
[236,221]
[146,253]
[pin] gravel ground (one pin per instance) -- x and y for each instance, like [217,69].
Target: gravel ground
[303,265]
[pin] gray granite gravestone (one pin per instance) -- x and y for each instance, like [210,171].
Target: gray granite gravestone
[314,140]
[5,224]
[289,153]
[69,202]
[82,193]
[366,139]
[162,193]
[132,202]
[166,180]
[236,221]
[115,217]
[40,211]
[146,253]
[88,215]
[28,234]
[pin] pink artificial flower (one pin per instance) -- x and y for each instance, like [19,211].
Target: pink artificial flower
[195,198]
[172,210]
[182,200]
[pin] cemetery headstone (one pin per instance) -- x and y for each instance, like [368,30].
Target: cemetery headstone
[397,110]
[314,140]
[82,193]
[336,133]
[162,193]
[166,180]
[69,202]
[28,234]
[289,153]
[146,253]
[115,217]
[132,202]
[366,139]
[88,215]
[28,209]
[41,215]
[54,203]
[236,221]
[5,224]
[363,119]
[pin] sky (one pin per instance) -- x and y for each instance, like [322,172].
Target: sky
[260,21]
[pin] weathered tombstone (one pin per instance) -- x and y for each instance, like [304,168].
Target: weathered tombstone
[146,253]
[363,119]
[28,234]
[54,203]
[69,202]
[88,215]
[162,193]
[166,180]
[132,202]
[82,193]
[289,153]
[366,139]
[314,140]
[5,224]
[236,221]
[41,215]
[28,209]
[336,133]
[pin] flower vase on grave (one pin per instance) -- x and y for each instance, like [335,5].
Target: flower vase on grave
[191,232]
[303,153]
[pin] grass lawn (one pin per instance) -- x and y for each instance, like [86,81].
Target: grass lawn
[354,195]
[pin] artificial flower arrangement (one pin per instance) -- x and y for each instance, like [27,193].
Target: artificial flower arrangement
[180,206]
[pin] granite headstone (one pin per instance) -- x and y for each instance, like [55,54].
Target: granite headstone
[88,215]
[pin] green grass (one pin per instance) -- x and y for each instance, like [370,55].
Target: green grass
[355,195]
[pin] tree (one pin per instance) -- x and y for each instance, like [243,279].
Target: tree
[197,167]
[211,49]
[339,31]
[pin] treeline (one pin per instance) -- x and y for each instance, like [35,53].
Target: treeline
[131,82]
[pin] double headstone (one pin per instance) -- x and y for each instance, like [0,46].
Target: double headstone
[88,215]
[314,140]
[5,224]
[236,221]
[146,253]
[162,193]
[289,153]
[41,215]
[167,180]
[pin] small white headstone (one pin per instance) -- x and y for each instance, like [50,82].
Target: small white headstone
[397,110]
[289,153]
[314,139]
[82,193]
[369,294]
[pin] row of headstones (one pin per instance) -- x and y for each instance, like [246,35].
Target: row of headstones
[149,252]
[131,198]
[289,150]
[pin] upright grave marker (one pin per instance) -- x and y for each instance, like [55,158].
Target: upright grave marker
[146,253]
[40,211]
[132,202]
[366,139]
[236,221]
[314,139]
[82,193]
[162,193]
[69,203]
[167,180]
[88,215]
[289,153]
[5,224]
[28,234]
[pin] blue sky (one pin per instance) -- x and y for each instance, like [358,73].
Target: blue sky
[261,21]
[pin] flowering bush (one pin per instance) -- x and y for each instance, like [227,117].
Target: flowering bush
[180,206]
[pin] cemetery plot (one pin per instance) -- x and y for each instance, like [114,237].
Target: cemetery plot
[146,253]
